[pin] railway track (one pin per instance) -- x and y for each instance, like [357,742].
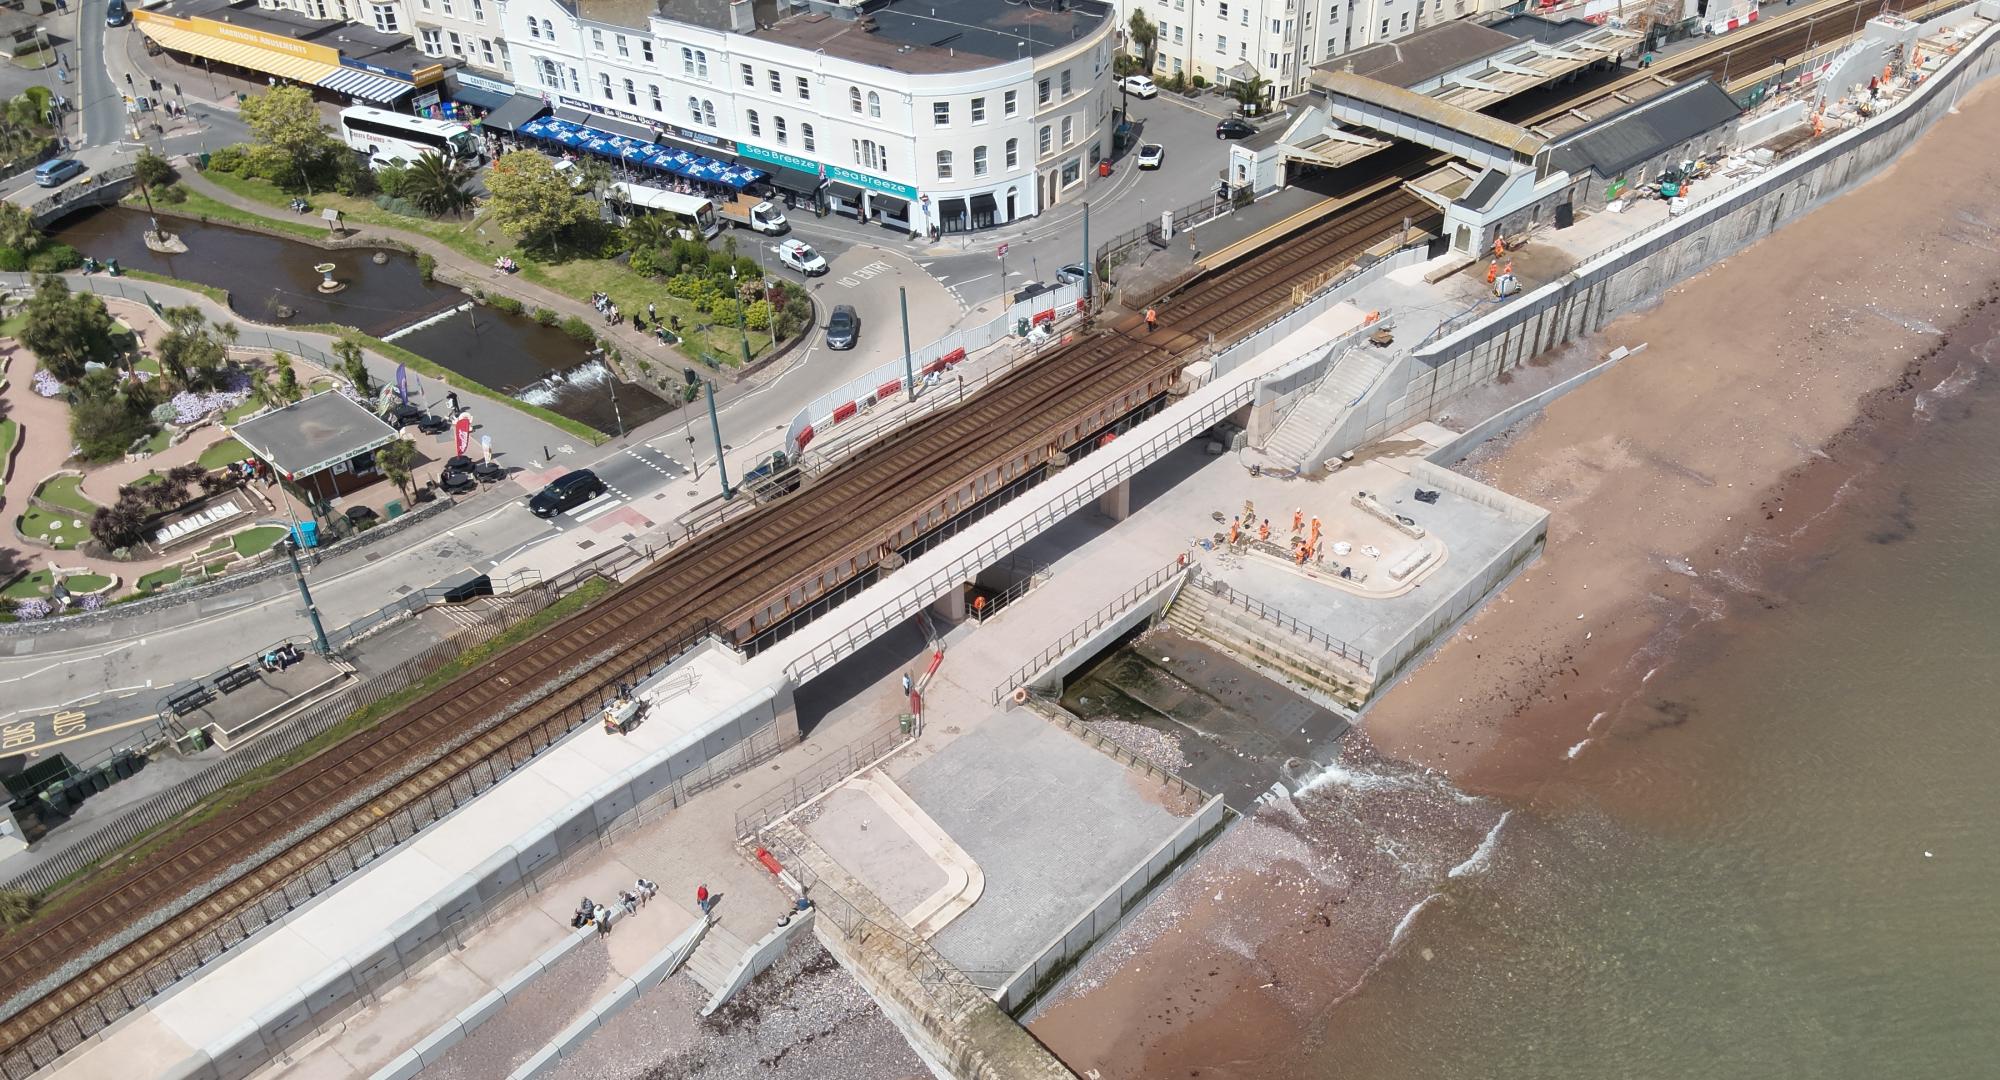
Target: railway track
[496,717]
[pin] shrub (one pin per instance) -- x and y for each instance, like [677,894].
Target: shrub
[758,317]
[546,317]
[686,286]
[506,303]
[646,261]
[426,266]
[54,259]
[747,269]
[575,327]
[725,310]
[171,194]
[398,206]
[229,159]
[13,260]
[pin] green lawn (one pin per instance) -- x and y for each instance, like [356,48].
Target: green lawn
[216,567]
[159,578]
[201,206]
[29,587]
[57,532]
[161,439]
[12,326]
[86,583]
[239,412]
[63,491]
[215,547]
[578,279]
[147,364]
[149,480]
[258,540]
[222,453]
[9,431]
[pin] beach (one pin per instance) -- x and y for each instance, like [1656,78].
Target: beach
[1683,483]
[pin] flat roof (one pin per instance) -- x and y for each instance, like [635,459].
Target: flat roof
[1624,139]
[1538,28]
[310,435]
[350,39]
[934,36]
[1477,125]
[1424,55]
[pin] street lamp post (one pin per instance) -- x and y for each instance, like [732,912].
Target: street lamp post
[611,381]
[715,427]
[320,645]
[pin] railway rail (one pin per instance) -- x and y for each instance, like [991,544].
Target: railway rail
[490,721]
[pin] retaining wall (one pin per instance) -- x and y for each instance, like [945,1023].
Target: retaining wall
[1493,425]
[761,955]
[1639,268]
[1050,679]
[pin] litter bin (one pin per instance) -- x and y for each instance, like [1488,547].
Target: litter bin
[395,509]
[906,722]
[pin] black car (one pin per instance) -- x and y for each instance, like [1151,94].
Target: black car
[566,492]
[117,14]
[843,328]
[1233,128]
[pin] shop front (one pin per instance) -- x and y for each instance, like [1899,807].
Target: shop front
[276,57]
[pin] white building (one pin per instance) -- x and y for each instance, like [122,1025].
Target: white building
[928,114]
[466,30]
[1231,41]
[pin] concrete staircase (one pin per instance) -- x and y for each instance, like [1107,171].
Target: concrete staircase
[715,959]
[1199,613]
[1309,422]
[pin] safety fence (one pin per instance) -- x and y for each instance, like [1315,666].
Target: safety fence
[1172,223]
[844,762]
[384,834]
[928,363]
[1221,590]
[1123,603]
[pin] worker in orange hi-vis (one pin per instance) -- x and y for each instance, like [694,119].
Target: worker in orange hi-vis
[1492,272]
[1499,245]
[1264,530]
[1313,536]
[1298,520]
[1235,530]
[1303,553]
[1152,319]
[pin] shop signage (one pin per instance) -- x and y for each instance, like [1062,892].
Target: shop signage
[480,82]
[833,172]
[242,34]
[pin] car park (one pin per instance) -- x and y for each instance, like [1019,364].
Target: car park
[566,492]
[843,327]
[55,173]
[1233,128]
[800,256]
[1139,86]
[1152,155]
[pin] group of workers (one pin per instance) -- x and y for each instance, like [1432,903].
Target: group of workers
[1305,536]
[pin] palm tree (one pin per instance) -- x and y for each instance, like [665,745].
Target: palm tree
[437,186]
[1251,91]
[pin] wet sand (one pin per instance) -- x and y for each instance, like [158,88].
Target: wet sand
[1674,480]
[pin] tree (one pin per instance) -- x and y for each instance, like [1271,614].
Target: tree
[149,171]
[1250,91]
[1145,34]
[532,201]
[283,388]
[398,460]
[67,330]
[17,230]
[108,415]
[437,185]
[285,119]
[355,367]
[192,350]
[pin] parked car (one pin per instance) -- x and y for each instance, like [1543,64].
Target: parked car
[1151,155]
[566,492]
[843,328]
[1140,86]
[117,14]
[1073,274]
[800,256]
[1233,128]
[54,173]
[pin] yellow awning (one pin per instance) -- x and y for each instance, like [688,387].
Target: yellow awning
[241,54]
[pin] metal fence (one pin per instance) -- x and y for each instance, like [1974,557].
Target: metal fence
[1087,627]
[1220,590]
[1207,208]
[803,788]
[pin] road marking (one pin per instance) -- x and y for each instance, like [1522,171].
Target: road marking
[969,281]
[597,506]
[872,270]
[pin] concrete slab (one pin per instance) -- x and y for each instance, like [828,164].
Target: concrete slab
[861,835]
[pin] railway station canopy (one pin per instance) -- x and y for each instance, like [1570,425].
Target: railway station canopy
[354,62]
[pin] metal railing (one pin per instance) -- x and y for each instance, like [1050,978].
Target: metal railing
[1207,208]
[1087,627]
[1220,590]
[826,775]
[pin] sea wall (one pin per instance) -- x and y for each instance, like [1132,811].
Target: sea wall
[1641,267]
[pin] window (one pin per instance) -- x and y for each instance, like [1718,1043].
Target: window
[426,4]
[1013,153]
[1045,143]
[1177,65]
[777,81]
[694,109]
[457,46]
[854,99]
[944,164]
[646,50]
[778,129]
[1385,28]
[631,93]
[1332,48]
[979,161]
[1222,44]
[941,113]
[1042,92]
[575,82]
[1273,60]
[534,30]
[447,11]
[597,40]
[1065,84]
[1069,130]
[551,75]
[806,138]
[1010,103]
[654,90]
[548,28]
[1243,50]
[622,49]
[1178,40]
[1243,17]
[385,18]
[870,156]
[604,82]
[486,50]
[756,126]
[1222,12]
[804,87]
[1096,152]
[694,63]
[749,75]
[979,110]
[1072,171]
[874,105]
[478,10]
[1274,27]
[430,42]
[708,112]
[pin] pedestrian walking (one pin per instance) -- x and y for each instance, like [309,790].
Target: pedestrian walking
[451,401]
[645,889]
[909,684]
[603,916]
[652,312]
[701,898]
[1152,319]
[629,901]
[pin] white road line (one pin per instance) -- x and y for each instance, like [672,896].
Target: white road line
[969,281]
[594,510]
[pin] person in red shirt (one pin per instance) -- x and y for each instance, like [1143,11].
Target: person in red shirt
[701,898]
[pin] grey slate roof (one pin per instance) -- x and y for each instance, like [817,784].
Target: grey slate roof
[1616,143]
